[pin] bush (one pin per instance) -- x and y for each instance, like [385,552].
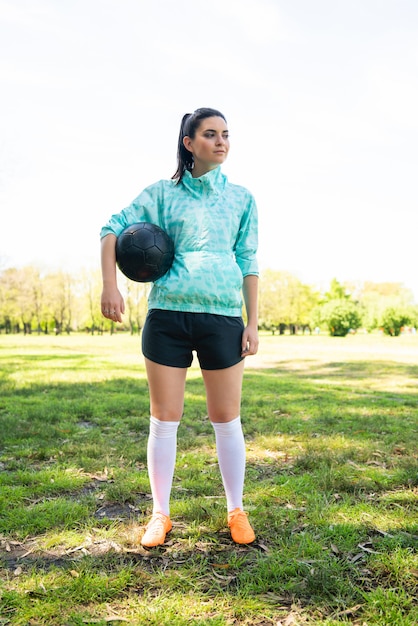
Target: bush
[340,317]
[393,320]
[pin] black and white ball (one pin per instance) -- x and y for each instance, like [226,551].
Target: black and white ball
[144,252]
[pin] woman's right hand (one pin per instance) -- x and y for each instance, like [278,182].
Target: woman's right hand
[112,303]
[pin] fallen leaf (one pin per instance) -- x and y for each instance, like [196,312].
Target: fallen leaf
[225,578]
[290,506]
[109,618]
[366,547]
[290,620]
[351,610]
[384,533]
[276,599]
[357,467]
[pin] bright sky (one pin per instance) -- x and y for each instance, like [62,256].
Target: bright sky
[321,99]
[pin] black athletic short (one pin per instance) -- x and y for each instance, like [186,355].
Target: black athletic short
[170,337]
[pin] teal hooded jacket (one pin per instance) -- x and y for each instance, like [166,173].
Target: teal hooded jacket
[214,226]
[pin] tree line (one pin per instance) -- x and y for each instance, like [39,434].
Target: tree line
[60,302]
[286,304]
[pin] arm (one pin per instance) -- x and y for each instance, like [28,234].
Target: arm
[250,334]
[112,302]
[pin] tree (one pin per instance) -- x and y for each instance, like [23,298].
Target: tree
[337,291]
[27,278]
[340,317]
[377,297]
[136,304]
[393,320]
[284,301]
[58,299]
[337,311]
[307,300]
[38,300]
[92,318]
[9,295]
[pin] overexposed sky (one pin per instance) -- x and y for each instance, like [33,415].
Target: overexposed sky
[321,99]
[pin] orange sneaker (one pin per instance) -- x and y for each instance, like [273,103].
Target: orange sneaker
[241,531]
[156,530]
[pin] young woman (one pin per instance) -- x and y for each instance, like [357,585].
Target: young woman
[195,306]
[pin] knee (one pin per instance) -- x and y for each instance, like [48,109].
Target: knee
[166,414]
[222,417]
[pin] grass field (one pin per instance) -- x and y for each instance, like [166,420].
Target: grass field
[331,428]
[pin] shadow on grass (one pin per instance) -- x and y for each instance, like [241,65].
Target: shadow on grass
[322,442]
[358,369]
[304,568]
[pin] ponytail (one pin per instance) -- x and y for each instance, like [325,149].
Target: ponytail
[188,127]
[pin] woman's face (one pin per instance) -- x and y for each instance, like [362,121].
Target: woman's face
[210,145]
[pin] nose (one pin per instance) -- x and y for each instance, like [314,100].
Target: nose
[220,140]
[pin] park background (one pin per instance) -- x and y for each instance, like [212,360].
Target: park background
[321,99]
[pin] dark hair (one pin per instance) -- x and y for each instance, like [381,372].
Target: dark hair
[188,127]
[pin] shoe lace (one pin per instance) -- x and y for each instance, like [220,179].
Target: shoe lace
[239,518]
[156,525]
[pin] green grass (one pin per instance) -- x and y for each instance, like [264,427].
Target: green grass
[332,488]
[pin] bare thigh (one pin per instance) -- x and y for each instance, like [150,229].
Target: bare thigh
[166,389]
[223,392]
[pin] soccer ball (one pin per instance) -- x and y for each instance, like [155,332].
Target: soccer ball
[144,252]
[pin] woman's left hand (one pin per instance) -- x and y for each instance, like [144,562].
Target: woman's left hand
[249,341]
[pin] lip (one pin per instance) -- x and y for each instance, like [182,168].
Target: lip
[220,152]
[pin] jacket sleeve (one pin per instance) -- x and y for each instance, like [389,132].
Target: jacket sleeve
[145,208]
[247,240]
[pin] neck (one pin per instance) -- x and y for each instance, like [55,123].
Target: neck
[199,171]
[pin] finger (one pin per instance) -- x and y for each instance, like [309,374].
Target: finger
[251,348]
[112,314]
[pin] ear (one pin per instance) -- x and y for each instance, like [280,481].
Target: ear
[187,143]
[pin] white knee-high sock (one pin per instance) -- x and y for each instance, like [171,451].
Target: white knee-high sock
[161,453]
[230,446]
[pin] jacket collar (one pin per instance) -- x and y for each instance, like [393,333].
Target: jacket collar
[214,181]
